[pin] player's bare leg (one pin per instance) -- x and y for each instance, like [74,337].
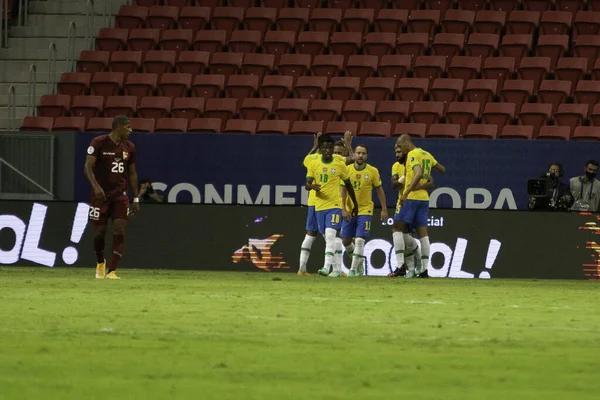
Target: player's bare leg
[118,247]
[425,248]
[305,252]
[99,239]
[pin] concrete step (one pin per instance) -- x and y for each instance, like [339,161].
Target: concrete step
[43,43]
[20,113]
[80,7]
[22,92]
[63,21]
[20,53]
[22,76]
[20,100]
[48,31]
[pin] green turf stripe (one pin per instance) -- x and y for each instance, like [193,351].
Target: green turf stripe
[304,249]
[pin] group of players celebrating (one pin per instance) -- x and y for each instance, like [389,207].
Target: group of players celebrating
[340,204]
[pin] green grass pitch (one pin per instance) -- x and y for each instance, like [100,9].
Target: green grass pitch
[221,335]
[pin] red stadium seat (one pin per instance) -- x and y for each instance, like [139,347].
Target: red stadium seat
[595,115]
[504,5]
[376,5]
[458,21]
[258,64]
[227,19]
[292,19]
[340,4]
[554,133]
[140,85]
[53,106]
[536,115]
[535,69]
[171,125]
[226,63]
[517,132]
[446,90]
[74,83]
[159,62]
[176,40]
[143,39]
[482,45]
[378,89]
[69,124]
[392,111]
[587,46]
[241,86]
[291,109]
[359,111]
[93,61]
[391,20]
[131,17]
[278,43]
[498,68]
[313,43]
[553,46]
[379,43]
[324,20]
[192,62]
[208,86]
[120,105]
[310,87]
[522,22]
[463,114]
[413,44]
[110,39]
[126,62]
[210,41]
[517,91]
[516,46]
[423,21]
[225,109]
[259,19]
[413,130]
[429,67]
[537,5]
[481,90]
[412,89]
[154,107]
[87,106]
[587,92]
[240,126]
[327,65]
[556,23]
[343,88]
[554,92]
[358,20]
[245,4]
[103,125]
[464,67]
[38,124]
[571,69]
[481,131]
[427,112]
[306,127]
[272,127]
[256,109]
[380,129]
[571,115]
[443,131]
[448,45]
[340,128]
[394,66]
[499,114]
[107,83]
[345,43]
[276,87]
[187,107]
[174,85]
[325,110]
[194,18]
[489,21]
[278,4]
[361,67]
[162,17]
[586,23]
[586,133]
[294,65]
[244,41]
[205,125]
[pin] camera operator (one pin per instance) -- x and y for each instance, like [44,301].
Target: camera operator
[147,193]
[586,189]
[549,192]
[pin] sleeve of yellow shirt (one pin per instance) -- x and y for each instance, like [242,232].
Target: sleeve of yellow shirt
[305,163]
[395,171]
[414,159]
[344,172]
[309,170]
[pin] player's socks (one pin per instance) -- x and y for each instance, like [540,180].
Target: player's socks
[117,252]
[99,248]
[359,250]
[337,258]
[425,253]
[329,247]
[305,251]
[350,249]
[418,261]
[399,248]
[411,245]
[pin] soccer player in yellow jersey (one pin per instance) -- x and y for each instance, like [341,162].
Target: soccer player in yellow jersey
[325,176]
[414,201]
[364,178]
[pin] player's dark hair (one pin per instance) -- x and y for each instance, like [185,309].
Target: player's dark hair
[364,146]
[340,143]
[592,162]
[145,181]
[560,168]
[325,139]
[120,120]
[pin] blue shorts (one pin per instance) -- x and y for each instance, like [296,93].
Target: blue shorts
[359,226]
[311,220]
[331,218]
[415,213]
[407,227]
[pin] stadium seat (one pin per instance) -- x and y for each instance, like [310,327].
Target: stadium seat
[586,23]
[192,62]
[292,19]
[53,106]
[273,127]
[361,67]
[379,129]
[376,5]
[392,111]
[448,45]
[571,115]
[100,125]
[427,112]
[516,132]
[571,69]
[554,133]
[205,125]
[227,19]
[174,85]
[587,46]
[458,21]
[210,3]
[277,4]
[394,66]
[340,127]
[481,90]
[517,91]
[107,83]
[241,86]
[244,41]
[343,88]
[359,111]
[37,124]
[504,5]
[413,130]
[69,124]
[537,5]
[245,4]
[159,62]
[481,131]
[489,22]
[522,22]
[256,109]
[554,92]
[194,18]
[345,43]
[516,46]
[110,39]
[140,85]
[556,23]
[412,89]
[446,90]
[391,20]
[291,109]
[462,114]
[443,131]
[595,115]
[586,133]
[412,44]
[208,86]
[74,83]
[535,69]
[226,63]
[499,114]
[327,65]
[379,43]
[162,17]
[276,87]
[464,67]
[482,45]
[294,65]
[423,21]
[306,127]
[310,87]
[155,107]
[259,19]
[87,106]
[93,61]
[225,109]
[340,4]
[120,105]
[210,41]
[131,17]
[171,125]
[358,20]
[176,40]
[246,126]
[553,46]
[587,92]
[325,110]
[378,89]
[143,39]
[324,20]
[278,43]
[187,107]
[536,115]
[126,62]
[258,64]
[430,67]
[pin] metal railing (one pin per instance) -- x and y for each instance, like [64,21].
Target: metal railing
[4,21]
[89,22]
[71,47]
[12,108]
[51,84]
[31,86]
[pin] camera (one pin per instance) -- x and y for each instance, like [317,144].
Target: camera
[538,188]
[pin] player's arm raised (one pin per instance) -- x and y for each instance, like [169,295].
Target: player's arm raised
[133,182]
[348,144]
[315,144]
[88,170]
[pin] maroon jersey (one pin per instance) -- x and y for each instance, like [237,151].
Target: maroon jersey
[112,164]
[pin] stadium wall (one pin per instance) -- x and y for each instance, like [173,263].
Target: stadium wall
[267,170]
[465,243]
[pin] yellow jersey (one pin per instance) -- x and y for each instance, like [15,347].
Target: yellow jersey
[426,161]
[307,160]
[398,171]
[363,181]
[329,175]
